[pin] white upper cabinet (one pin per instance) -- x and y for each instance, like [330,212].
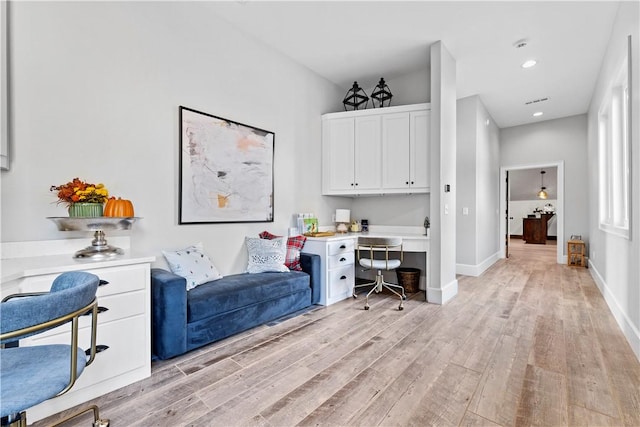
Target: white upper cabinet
[381,151]
[420,149]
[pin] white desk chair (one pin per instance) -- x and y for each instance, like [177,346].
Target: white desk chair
[367,247]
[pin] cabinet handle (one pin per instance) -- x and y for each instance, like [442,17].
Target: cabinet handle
[406,182]
[342,259]
[411,182]
[102,282]
[99,349]
[352,184]
[343,247]
[100,310]
[343,277]
[356,183]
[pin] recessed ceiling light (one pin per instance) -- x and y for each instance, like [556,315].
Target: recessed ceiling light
[530,63]
[537,114]
[520,43]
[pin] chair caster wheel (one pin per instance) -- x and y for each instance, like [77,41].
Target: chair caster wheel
[400,308]
[355,296]
[404,297]
[366,307]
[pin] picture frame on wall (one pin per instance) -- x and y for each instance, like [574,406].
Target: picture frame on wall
[226,170]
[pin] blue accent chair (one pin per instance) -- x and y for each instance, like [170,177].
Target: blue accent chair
[30,375]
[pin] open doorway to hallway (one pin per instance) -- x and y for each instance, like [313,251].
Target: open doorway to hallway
[532,200]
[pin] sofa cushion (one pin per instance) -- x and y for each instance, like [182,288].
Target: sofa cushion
[240,290]
[294,246]
[192,264]
[266,255]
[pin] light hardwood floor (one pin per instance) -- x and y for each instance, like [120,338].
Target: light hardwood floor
[530,342]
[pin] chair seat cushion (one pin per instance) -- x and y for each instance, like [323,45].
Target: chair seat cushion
[380,264]
[31,375]
[242,290]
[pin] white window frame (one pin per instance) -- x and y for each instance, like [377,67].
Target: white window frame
[614,136]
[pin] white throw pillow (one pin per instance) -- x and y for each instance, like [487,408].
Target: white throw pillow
[192,264]
[266,255]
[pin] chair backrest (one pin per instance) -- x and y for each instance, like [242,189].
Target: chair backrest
[70,292]
[368,246]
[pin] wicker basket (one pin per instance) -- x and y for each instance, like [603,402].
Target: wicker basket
[409,279]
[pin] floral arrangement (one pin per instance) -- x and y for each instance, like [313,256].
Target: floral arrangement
[78,191]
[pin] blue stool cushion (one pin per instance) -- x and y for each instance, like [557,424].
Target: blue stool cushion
[31,375]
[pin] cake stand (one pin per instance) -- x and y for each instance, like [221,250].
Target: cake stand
[99,248]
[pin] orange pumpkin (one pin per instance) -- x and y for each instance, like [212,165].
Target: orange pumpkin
[119,207]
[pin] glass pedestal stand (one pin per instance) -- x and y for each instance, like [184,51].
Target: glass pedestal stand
[99,248]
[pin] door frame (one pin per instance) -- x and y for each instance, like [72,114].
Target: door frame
[560,256]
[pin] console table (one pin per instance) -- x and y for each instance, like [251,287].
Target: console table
[124,328]
[534,230]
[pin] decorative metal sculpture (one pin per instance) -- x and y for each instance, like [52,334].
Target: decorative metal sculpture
[355,97]
[381,94]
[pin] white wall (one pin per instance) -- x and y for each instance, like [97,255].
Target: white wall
[95,93]
[443,284]
[613,260]
[555,141]
[477,243]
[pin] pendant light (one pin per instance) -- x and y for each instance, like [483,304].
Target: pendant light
[542,194]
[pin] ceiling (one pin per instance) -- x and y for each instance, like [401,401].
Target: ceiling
[524,184]
[345,41]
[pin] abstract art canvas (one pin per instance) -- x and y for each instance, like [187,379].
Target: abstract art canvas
[226,170]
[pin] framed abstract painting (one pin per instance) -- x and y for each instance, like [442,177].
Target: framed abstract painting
[226,170]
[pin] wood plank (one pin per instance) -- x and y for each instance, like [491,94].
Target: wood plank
[543,401]
[446,402]
[474,420]
[548,349]
[579,416]
[499,389]
[588,381]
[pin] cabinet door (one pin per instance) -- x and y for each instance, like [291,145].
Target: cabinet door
[395,151]
[420,128]
[368,153]
[338,146]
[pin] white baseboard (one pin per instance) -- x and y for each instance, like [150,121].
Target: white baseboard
[628,329]
[477,270]
[444,294]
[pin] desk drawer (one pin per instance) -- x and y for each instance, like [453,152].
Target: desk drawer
[340,246]
[339,260]
[340,283]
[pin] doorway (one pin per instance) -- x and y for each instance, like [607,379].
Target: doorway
[536,184]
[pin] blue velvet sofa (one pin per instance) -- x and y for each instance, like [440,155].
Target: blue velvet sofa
[183,321]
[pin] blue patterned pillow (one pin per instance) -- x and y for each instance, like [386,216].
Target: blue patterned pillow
[266,255]
[192,264]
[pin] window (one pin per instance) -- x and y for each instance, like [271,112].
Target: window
[614,136]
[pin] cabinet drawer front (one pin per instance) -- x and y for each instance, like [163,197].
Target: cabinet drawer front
[118,307]
[340,246]
[340,282]
[343,259]
[125,339]
[120,279]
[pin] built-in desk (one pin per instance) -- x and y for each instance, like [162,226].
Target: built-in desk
[338,262]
